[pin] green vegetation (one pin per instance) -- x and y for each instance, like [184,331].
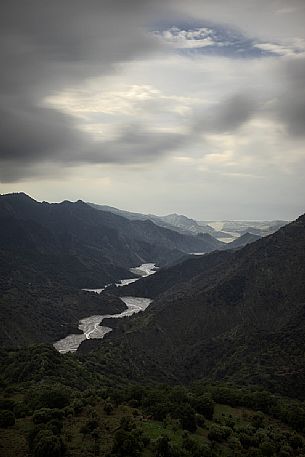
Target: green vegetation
[62,408]
[224,379]
[7,418]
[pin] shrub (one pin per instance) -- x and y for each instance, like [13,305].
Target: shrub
[163,447]
[55,397]
[200,420]
[186,415]
[7,404]
[193,448]
[267,448]
[248,440]
[257,420]
[295,441]
[21,410]
[234,444]
[48,445]
[89,426]
[285,451]
[127,423]
[56,426]
[296,419]
[77,406]
[204,405]
[108,408]
[44,415]
[161,409]
[128,444]
[7,418]
[219,433]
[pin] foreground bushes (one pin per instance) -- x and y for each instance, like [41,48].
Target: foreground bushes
[44,440]
[7,418]
[219,433]
[47,444]
[286,410]
[44,415]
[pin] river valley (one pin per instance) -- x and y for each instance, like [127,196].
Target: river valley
[91,326]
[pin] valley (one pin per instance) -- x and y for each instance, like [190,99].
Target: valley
[118,330]
[91,326]
[152,228]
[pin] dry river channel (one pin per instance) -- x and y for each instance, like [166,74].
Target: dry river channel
[91,326]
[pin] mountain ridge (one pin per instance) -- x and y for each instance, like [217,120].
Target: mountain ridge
[252,294]
[171,221]
[49,251]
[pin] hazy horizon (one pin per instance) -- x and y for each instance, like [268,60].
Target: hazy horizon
[155,213]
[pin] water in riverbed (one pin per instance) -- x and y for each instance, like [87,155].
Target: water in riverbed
[91,327]
[146,269]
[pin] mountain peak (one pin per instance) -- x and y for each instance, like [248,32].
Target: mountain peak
[18,196]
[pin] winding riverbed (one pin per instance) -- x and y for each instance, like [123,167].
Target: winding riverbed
[91,326]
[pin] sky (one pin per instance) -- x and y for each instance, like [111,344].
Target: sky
[195,107]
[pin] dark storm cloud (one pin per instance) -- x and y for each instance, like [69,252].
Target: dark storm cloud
[45,46]
[292,113]
[286,106]
[136,143]
[234,112]
[32,133]
[290,105]
[227,116]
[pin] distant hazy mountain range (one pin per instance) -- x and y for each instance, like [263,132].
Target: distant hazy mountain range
[222,230]
[176,222]
[237,228]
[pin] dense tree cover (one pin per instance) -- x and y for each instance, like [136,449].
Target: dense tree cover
[61,408]
[7,418]
[289,411]
[45,442]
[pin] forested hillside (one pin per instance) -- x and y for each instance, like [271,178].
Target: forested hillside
[236,315]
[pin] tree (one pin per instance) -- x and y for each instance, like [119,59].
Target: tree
[108,408]
[204,405]
[193,448]
[7,418]
[295,441]
[47,444]
[219,433]
[90,426]
[296,418]
[128,444]
[267,448]
[257,420]
[163,447]
[187,417]
[44,415]
[54,397]
[127,423]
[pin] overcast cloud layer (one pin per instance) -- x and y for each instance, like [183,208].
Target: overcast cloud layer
[195,107]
